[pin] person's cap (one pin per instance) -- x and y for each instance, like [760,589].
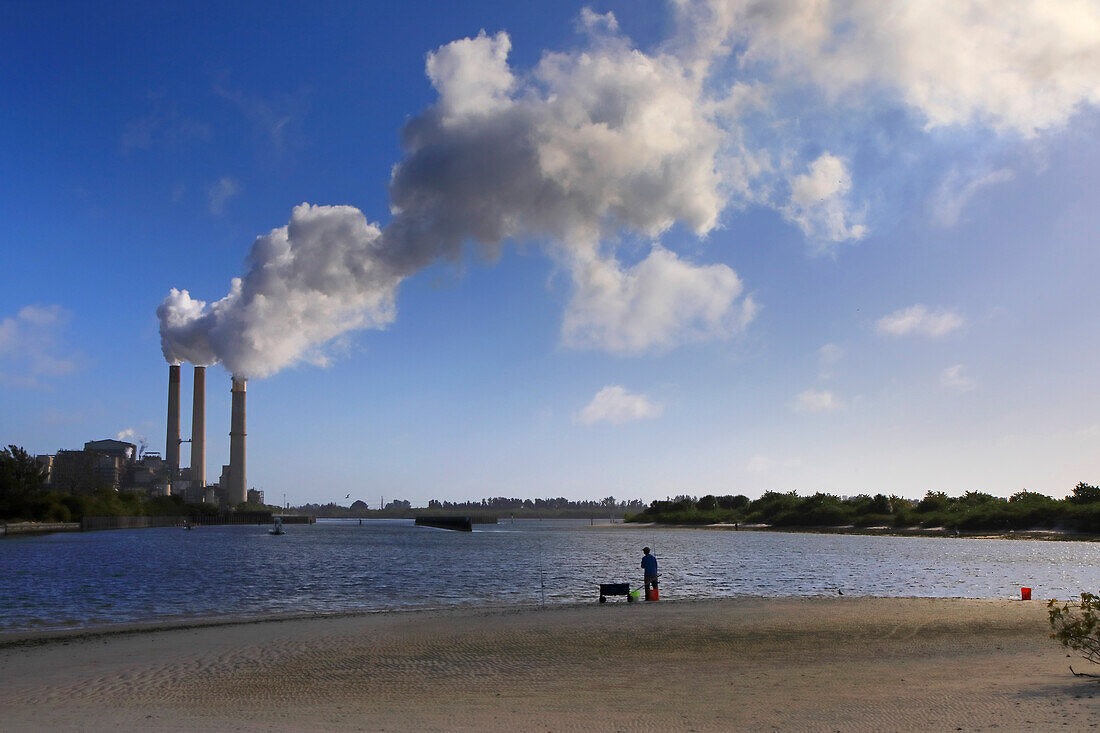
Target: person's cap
[645,549]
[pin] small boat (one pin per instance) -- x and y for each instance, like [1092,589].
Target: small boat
[278,529]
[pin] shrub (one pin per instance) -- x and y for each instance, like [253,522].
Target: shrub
[774,504]
[1077,626]
[904,517]
[1085,494]
[872,520]
[733,502]
[934,501]
[1086,518]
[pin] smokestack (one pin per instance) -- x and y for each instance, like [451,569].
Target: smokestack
[172,440]
[237,491]
[198,429]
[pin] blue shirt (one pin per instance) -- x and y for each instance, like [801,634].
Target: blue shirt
[649,564]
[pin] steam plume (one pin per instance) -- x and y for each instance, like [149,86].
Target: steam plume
[305,283]
[609,140]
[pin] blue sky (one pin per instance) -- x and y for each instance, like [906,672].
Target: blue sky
[709,247]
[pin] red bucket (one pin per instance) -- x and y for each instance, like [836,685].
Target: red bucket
[651,594]
[1025,594]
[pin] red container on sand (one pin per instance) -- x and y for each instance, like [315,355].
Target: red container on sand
[651,594]
[1025,594]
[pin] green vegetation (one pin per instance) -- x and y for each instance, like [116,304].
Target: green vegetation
[1077,626]
[21,480]
[973,511]
[25,496]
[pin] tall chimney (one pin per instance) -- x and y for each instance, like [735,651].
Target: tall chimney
[237,491]
[172,440]
[198,429]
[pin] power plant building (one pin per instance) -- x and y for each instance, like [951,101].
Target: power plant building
[106,464]
[118,465]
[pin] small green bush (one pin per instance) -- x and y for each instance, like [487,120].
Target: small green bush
[1077,626]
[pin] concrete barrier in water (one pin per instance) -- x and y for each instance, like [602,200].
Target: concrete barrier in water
[17,529]
[89,524]
[460,524]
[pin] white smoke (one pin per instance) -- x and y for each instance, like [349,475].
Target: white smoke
[306,283]
[589,145]
[609,140]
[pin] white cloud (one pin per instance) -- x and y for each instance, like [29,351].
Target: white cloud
[828,356]
[1015,65]
[163,125]
[760,464]
[813,400]
[219,193]
[751,102]
[766,464]
[957,189]
[593,22]
[41,316]
[274,117]
[30,348]
[615,405]
[919,320]
[818,202]
[953,378]
[660,302]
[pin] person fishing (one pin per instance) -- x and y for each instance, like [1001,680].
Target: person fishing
[649,570]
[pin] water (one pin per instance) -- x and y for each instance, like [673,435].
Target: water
[100,578]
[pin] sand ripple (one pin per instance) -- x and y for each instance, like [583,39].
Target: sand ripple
[760,664]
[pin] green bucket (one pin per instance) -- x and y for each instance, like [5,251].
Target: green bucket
[635,594]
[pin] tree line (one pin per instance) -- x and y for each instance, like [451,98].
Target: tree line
[24,495]
[499,506]
[972,511]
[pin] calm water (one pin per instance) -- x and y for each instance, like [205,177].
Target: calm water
[96,578]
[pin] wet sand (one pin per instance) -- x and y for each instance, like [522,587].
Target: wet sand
[848,664]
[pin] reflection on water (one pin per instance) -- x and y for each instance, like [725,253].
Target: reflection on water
[99,578]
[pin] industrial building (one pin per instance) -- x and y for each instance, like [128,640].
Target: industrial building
[119,465]
[113,464]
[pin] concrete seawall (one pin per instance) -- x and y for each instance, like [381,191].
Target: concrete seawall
[92,524]
[16,529]
[97,523]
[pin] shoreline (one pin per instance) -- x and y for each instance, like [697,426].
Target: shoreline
[819,663]
[47,636]
[29,638]
[37,529]
[1052,535]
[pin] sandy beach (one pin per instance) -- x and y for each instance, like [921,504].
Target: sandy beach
[847,664]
